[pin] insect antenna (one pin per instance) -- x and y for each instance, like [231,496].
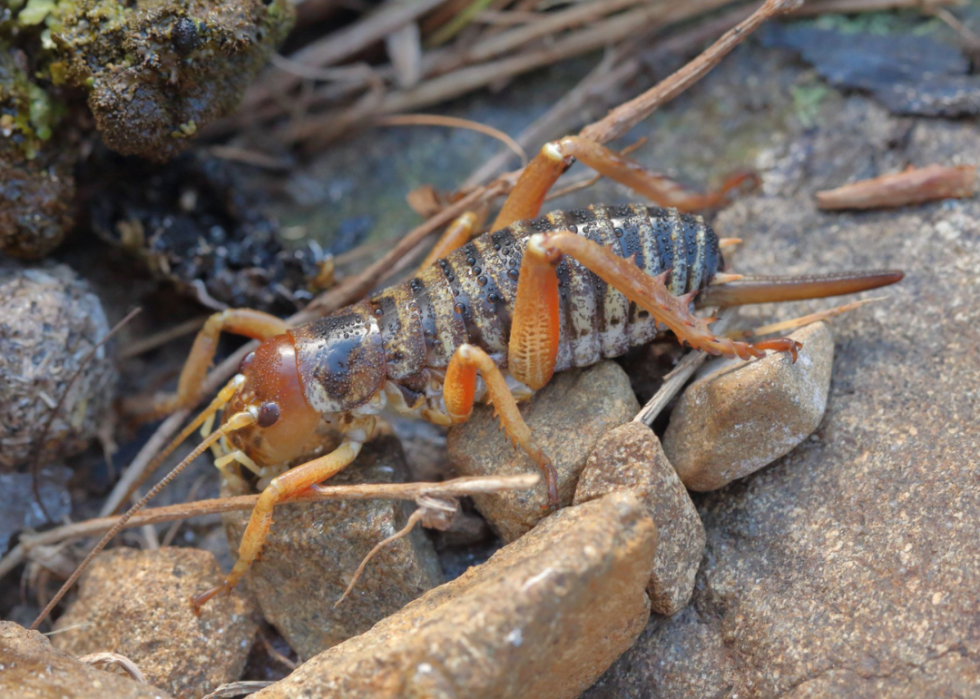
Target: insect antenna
[224,395]
[235,422]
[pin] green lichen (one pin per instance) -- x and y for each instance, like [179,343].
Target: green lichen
[36,12]
[159,70]
[880,23]
[807,99]
[28,114]
[36,182]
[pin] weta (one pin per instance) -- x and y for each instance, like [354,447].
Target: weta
[490,318]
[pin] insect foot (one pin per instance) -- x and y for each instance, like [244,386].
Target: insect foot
[630,458]
[135,602]
[738,417]
[546,615]
[567,417]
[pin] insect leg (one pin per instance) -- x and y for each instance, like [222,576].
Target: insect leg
[240,321]
[533,346]
[456,235]
[293,481]
[459,390]
[659,189]
[554,158]
[651,294]
[527,196]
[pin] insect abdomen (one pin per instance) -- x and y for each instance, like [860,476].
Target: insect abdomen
[468,296]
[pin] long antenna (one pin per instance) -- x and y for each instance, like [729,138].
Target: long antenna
[235,422]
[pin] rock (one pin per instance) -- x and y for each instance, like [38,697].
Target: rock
[629,458]
[850,566]
[739,416]
[37,183]
[315,548]
[18,506]
[542,618]
[909,74]
[137,604]
[567,417]
[200,57]
[51,321]
[31,668]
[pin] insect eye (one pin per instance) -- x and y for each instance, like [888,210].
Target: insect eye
[268,415]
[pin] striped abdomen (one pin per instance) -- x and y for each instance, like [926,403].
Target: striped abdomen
[469,295]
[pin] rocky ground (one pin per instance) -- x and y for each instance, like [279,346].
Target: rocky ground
[846,567]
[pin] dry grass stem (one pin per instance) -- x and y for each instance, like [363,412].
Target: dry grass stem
[456,487]
[151,342]
[238,689]
[114,660]
[794,323]
[679,375]
[628,115]
[454,123]
[340,45]
[404,531]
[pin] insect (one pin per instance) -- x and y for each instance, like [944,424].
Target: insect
[492,318]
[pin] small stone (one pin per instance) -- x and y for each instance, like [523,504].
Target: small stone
[567,417]
[18,505]
[542,618]
[137,604]
[739,416]
[629,458]
[315,548]
[31,668]
[51,321]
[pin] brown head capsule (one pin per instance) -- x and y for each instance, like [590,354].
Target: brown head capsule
[273,391]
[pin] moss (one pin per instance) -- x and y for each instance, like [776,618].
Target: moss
[807,99]
[160,70]
[880,23]
[36,183]
[28,114]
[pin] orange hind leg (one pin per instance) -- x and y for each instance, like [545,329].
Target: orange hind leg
[648,292]
[546,167]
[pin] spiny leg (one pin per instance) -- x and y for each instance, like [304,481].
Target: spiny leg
[240,321]
[456,235]
[651,294]
[543,171]
[459,391]
[293,481]
[532,349]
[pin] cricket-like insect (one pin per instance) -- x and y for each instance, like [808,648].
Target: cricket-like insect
[533,296]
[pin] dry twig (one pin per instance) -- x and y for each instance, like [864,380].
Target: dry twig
[679,375]
[114,660]
[456,123]
[238,689]
[456,487]
[913,186]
